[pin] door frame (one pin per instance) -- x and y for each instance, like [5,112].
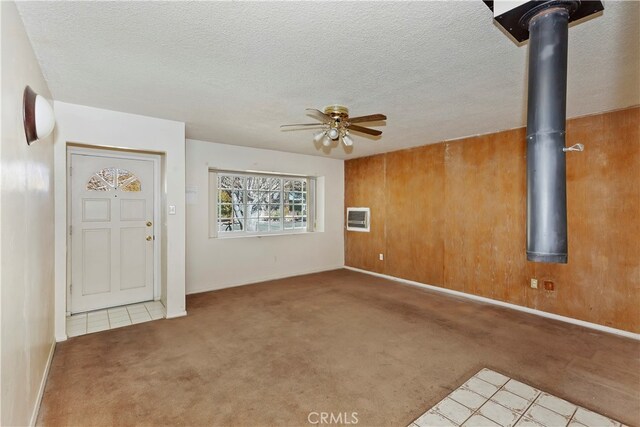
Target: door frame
[157,214]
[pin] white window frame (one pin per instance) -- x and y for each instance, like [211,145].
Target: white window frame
[213,204]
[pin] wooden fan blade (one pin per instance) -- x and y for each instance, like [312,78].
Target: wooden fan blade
[362,129]
[302,124]
[369,118]
[319,115]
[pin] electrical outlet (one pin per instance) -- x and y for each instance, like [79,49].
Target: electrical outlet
[534,283]
[548,285]
[381,257]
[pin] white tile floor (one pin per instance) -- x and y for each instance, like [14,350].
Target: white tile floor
[494,400]
[101,320]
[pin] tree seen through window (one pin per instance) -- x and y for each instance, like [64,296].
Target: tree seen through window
[261,204]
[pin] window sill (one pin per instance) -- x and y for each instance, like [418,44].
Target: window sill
[244,236]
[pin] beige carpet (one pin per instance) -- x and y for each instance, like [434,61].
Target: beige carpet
[340,341]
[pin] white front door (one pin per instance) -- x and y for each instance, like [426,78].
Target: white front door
[112,239]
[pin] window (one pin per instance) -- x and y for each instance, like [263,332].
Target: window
[108,179]
[256,204]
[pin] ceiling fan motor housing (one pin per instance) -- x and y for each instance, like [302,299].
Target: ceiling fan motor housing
[337,111]
[339,115]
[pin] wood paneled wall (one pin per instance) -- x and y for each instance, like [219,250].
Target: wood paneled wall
[454,215]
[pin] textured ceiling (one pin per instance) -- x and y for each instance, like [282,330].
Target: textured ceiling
[235,71]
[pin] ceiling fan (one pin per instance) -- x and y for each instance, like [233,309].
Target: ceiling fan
[336,124]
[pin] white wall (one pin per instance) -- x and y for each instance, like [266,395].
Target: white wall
[26,230]
[78,124]
[215,263]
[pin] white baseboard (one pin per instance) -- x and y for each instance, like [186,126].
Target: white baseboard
[541,313]
[177,314]
[43,383]
[209,288]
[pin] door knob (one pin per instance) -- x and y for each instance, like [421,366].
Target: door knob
[149,223]
[149,238]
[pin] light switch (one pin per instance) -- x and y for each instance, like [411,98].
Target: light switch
[172,210]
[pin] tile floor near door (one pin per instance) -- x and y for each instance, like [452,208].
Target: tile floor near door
[111,318]
[491,399]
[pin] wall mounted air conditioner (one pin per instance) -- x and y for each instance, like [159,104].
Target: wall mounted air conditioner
[358,219]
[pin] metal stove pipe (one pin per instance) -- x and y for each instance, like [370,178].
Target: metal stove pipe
[546,117]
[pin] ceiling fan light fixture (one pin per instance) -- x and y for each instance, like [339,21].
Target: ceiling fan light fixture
[333,133]
[326,141]
[318,136]
[337,124]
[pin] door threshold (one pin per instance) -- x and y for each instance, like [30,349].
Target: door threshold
[113,318]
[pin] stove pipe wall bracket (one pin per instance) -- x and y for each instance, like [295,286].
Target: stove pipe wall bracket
[546,25]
